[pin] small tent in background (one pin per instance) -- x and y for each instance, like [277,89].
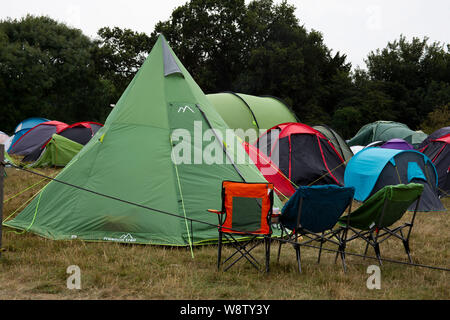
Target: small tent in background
[80,132]
[23,127]
[438,150]
[435,135]
[384,131]
[133,158]
[270,171]
[3,138]
[337,141]
[398,144]
[243,111]
[36,137]
[373,168]
[303,154]
[57,153]
[356,149]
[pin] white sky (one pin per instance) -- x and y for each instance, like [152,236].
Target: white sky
[353,27]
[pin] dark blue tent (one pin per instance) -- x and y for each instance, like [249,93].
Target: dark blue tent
[373,168]
[435,135]
[24,126]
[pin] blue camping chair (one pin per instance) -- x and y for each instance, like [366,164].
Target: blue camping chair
[310,216]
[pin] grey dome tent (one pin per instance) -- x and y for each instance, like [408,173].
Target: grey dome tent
[338,142]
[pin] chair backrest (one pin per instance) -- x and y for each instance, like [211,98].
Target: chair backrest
[385,207]
[248,207]
[321,207]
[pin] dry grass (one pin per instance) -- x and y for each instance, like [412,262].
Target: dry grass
[35,268]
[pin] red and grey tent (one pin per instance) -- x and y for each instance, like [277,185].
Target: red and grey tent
[435,135]
[270,171]
[438,150]
[81,132]
[36,137]
[303,154]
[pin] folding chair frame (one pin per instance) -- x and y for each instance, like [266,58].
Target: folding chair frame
[241,246]
[377,234]
[335,236]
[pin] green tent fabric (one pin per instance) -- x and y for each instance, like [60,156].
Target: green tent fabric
[337,141]
[243,111]
[399,198]
[8,159]
[58,152]
[131,158]
[384,131]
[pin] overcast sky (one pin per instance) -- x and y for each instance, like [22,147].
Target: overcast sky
[353,27]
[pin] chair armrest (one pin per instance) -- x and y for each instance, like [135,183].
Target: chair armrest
[215,211]
[275,214]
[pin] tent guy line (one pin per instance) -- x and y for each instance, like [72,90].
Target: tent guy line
[214,225]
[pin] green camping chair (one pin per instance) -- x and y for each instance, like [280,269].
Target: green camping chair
[373,220]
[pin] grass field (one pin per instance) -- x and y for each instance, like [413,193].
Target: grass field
[35,268]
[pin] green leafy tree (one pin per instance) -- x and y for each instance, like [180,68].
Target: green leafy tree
[118,54]
[208,37]
[414,74]
[47,70]
[437,119]
[260,49]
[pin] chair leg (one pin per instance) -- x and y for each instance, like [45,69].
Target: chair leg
[335,258]
[267,241]
[365,251]
[342,251]
[320,250]
[343,241]
[219,251]
[406,245]
[279,246]
[377,252]
[297,252]
[367,245]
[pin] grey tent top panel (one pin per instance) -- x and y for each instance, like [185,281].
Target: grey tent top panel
[170,65]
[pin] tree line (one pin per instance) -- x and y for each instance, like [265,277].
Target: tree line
[51,70]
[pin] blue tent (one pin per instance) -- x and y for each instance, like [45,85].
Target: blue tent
[24,126]
[373,168]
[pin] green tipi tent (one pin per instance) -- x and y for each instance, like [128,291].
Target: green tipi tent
[131,158]
[58,152]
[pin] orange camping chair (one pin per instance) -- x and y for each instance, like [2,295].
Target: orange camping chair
[245,221]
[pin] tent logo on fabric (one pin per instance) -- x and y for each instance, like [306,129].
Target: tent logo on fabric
[183,109]
[123,238]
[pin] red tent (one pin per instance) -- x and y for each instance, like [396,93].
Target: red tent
[81,132]
[303,154]
[36,137]
[270,171]
[438,150]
